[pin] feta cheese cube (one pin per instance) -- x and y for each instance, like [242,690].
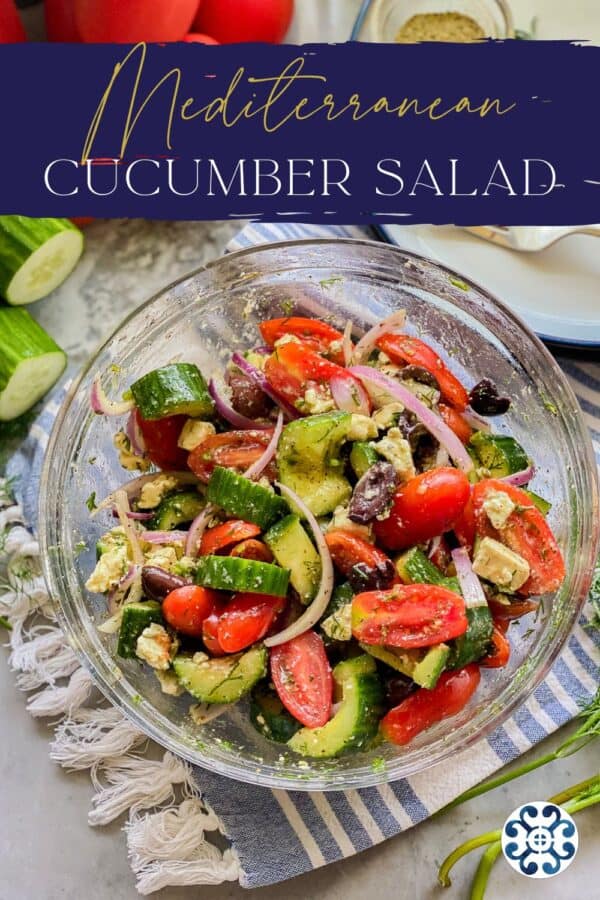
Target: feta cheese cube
[341,520]
[500,565]
[169,683]
[194,432]
[498,507]
[127,458]
[154,647]
[362,428]
[153,491]
[387,416]
[338,626]
[163,557]
[396,449]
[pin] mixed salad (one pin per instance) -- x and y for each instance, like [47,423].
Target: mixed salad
[335,531]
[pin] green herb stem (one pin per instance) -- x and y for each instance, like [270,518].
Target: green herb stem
[480,841]
[484,869]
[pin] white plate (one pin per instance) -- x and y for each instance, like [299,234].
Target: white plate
[556,291]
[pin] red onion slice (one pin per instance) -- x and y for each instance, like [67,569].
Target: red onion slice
[135,516]
[197,529]
[261,380]
[470,584]
[349,395]
[116,595]
[164,537]
[393,323]
[131,533]
[101,405]
[347,345]
[475,420]
[517,479]
[432,423]
[228,413]
[316,609]
[134,433]
[258,467]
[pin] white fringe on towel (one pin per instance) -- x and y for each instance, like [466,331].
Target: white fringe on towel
[167,846]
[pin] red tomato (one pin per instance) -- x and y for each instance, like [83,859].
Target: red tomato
[293,367]
[359,561]
[403,349]
[507,612]
[314,334]
[11,27]
[233,449]
[82,221]
[500,652]
[186,608]
[424,708]
[526,532]
[60,25]
[236,21]
[160,437]
[106,21]
[408,615]
[464,526]
[456,422]
[247,618]
[302,677]
[427,505]
[252,549]
[193,38]
[210,630]
[223,536]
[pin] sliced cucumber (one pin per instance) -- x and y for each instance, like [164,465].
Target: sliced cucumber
[356,722]
[30,362]
[232,573]
[294,550]
[336,623]
[36,255]
[136,617]
[222,680]
[178,389]
[540,503]
[245,499]
[177,509]
[270,717]
[498,454]
[362,457]
[424,666]
[414,567]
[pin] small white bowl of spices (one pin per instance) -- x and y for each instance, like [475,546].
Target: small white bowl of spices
[412,21]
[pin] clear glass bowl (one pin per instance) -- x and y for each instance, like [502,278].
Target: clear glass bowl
[381,20]
[206,316]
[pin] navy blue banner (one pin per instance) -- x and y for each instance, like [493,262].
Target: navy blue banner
[502,132]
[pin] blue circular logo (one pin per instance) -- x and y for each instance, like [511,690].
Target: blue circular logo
[539,840]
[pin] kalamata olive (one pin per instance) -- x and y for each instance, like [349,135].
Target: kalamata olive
[418,373]
[373,493]
[371,578]
[246,396]
[486,401]
[412,430]
[157,583]
[397,688]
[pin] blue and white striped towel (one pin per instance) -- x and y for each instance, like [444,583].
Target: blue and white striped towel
[280,834]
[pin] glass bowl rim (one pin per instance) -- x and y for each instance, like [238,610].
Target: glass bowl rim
[367,776]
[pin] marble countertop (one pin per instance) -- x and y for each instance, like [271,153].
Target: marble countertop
[47,851]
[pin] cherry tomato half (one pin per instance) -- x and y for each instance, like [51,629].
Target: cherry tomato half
[500,650]
[464,526]
[426,707]
[236,21]
[366,567]
[427,505]
[233,449]
[210,629]
[408,615]
[457,423]
[403,349]
[195,38]
[11,27]
[294,367]
[302,677]
[186,608]
[108,21]
[60,24]
[223,536]
[160,437]
[526,532]
[252,549]
[246,619]
[314,334]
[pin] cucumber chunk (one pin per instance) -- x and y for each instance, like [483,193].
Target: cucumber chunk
[310,463]
[414,567]
[244,499]
[222,680]
[362,457]
[176,509]
[178,389]
[499,454]
[356,722]
[136,617]
[540,503]
[270,717]
[30,363]
[294,550]
[36,255]
[232,573]
[424,666]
